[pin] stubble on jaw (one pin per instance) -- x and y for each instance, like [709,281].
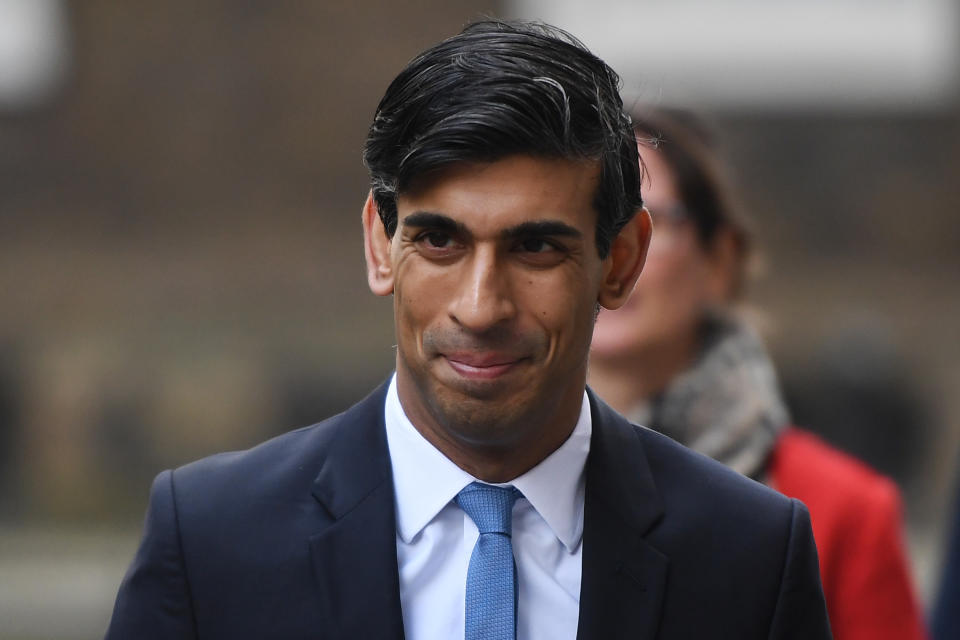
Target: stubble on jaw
[486,436]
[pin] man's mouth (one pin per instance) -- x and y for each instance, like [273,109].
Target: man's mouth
[482,366]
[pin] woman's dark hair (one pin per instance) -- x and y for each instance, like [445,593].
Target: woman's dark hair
[688,146]
[499,89]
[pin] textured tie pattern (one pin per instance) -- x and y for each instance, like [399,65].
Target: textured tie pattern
[491,603]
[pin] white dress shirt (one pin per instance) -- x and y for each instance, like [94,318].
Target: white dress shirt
[435,538]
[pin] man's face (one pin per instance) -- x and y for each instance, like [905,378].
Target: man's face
[496,277]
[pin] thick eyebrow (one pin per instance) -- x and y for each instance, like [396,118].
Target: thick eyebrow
[532,229]
[541,229]
[438,221]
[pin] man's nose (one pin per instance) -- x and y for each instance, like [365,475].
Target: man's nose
[484,298]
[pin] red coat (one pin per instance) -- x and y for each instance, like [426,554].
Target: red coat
[856,522]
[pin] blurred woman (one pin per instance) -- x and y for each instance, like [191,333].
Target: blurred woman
[680,359]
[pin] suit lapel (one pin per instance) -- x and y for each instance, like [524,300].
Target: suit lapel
[623,581]
[355,555]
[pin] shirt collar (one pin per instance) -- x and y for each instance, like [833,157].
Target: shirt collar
[425,480]
[555,487]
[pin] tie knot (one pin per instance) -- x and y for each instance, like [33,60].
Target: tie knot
[490,507]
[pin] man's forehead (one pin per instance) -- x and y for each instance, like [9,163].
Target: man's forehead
[505,192]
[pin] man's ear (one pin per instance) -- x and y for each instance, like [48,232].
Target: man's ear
[376,248]
[622,267]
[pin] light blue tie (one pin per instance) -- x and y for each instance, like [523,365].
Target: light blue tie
[491,603]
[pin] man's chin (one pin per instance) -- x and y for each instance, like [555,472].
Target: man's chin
[477,398]
[482,397]
[479,421]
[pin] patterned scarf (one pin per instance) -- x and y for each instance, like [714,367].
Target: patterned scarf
[727,405]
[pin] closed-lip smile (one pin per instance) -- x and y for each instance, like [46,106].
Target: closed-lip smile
[480,365]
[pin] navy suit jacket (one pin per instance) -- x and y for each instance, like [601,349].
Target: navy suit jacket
[296,538]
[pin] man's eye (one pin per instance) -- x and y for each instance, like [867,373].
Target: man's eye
[536,245]
[436,239]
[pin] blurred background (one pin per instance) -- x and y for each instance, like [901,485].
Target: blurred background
[181,261]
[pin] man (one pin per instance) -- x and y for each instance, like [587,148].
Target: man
[482,492]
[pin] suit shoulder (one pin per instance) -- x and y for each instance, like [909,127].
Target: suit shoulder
[711,507]
[726,538]
[692,487]
[679,470]
[295,457]
[292,449]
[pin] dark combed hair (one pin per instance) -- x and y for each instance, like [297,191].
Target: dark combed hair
[499,89]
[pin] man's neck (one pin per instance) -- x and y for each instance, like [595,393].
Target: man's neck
[500,463]
[538,434]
